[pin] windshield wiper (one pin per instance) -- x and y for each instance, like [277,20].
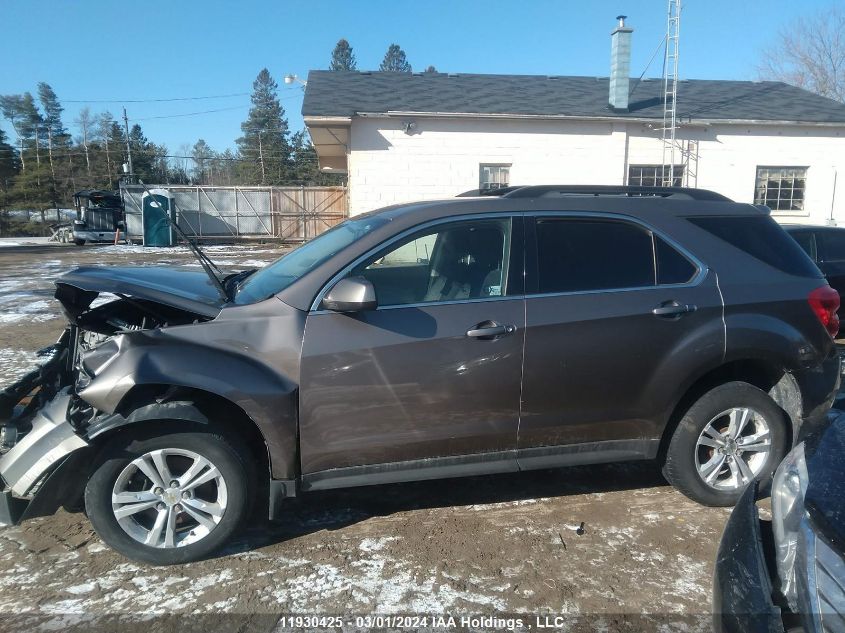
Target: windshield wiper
[233,281]
[207,265]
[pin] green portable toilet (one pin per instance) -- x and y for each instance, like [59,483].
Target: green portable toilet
[155,207]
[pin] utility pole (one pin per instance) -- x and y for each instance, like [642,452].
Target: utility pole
[261,158]
[128,147]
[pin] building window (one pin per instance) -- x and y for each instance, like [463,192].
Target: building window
[781,188]
[493,176]
[652,175]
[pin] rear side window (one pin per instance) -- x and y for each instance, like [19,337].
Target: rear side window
[576,255]
[763,239]
[833,243]
[672,267]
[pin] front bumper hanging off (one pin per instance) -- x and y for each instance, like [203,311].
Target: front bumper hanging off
[37,439]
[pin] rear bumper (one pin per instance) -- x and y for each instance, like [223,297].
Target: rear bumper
[94,236]
[742,588]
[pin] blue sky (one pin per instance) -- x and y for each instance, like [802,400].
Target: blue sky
[97,50]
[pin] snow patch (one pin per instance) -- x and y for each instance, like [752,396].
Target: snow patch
[37,311]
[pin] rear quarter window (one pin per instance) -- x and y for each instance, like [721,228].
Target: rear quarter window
[762,238]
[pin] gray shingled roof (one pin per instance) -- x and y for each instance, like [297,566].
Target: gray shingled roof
[345,94]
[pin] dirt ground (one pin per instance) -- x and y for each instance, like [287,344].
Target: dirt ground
[601,545]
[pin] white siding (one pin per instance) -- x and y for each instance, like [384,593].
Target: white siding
[441,157]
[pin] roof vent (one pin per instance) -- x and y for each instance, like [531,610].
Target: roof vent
[620,65]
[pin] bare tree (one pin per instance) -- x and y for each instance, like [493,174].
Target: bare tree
[84,121]
[810,53]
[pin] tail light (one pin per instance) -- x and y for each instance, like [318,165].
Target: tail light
[824,301]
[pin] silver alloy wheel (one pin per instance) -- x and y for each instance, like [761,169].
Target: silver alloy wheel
[169,497]
[733,448]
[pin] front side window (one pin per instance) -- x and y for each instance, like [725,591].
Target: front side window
[781,188]
[277,276]
[493,177]
[450,262]
[576,255]
[652,175]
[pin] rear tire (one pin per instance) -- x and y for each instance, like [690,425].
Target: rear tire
[148,519]
[733,435]
[79,242]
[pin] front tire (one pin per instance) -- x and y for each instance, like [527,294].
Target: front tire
[79,242]
[171,497]
[733,435]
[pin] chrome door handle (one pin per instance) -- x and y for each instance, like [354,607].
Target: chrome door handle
[489,330]
[673,309]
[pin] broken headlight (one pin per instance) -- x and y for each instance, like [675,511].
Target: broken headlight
[788,490]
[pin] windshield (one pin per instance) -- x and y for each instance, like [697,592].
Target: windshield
[284,271]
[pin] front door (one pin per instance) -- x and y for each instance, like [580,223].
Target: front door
[614,315]
[430,376]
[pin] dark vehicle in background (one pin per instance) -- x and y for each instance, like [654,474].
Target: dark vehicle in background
[789,573]
[99,216]
[826,247]
[543,326]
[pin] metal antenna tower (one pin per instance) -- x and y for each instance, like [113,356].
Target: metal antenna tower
[670,92]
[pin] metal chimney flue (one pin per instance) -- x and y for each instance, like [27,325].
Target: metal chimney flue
[620,65]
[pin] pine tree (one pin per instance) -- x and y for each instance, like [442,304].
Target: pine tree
[395,60]
[9,168]
[342,57]
[15,111]
[9,164]
[146,156]
[53,115]
[33,124]
[264,143]
[431,69]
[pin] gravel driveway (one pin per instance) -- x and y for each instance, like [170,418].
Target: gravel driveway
[601,545]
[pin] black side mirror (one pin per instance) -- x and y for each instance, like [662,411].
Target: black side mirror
[352,294]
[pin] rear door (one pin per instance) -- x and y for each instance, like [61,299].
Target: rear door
[614,316]
[432,374]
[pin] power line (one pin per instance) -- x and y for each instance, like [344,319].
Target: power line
[174,116]
[234,94]
[171,99]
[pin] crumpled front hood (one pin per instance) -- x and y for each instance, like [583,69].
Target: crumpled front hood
[189,290]
[825,498]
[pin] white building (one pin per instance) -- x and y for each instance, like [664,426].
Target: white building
[404,137]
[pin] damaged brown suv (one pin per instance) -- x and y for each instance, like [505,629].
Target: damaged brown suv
[535,328]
